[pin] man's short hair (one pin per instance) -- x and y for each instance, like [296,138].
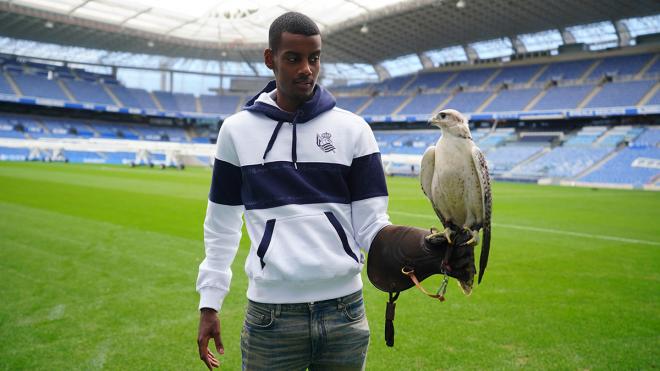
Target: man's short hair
[292,22]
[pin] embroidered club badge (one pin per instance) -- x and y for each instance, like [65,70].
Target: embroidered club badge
[324,141]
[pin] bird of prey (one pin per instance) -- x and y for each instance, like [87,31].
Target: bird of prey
[454,176]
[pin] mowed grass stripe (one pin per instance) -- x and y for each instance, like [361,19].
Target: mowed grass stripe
[103,277]
[543,230]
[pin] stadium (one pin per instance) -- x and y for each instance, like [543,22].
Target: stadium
[109,115]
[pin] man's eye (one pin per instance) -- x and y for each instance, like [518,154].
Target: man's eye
[314,59]
[292,60]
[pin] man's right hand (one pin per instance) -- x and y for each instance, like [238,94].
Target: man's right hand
[209,327]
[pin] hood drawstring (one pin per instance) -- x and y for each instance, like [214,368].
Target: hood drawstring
[271,141]
[294,155]
[294,142]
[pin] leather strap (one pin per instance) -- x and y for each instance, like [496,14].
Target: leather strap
[440,295]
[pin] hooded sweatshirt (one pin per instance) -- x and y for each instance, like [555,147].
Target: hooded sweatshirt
[311,188]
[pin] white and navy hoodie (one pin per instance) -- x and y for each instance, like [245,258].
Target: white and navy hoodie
[312,189]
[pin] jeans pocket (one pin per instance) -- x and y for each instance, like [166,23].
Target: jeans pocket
[354,311]
[259,317]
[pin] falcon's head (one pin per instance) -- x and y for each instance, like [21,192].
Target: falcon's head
[452,122]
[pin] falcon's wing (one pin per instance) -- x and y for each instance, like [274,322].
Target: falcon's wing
[481,167]
[427,170]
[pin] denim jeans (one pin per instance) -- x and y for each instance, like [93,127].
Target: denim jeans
[325,335]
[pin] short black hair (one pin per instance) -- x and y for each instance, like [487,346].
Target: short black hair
[292,22]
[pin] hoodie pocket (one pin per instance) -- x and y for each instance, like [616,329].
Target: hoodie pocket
[304,248]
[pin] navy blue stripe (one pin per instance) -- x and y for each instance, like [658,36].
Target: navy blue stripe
[366,178]
[342,234]
[226,184]
[279,183]
[265,241]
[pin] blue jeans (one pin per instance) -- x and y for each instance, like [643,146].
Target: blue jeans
[325,335]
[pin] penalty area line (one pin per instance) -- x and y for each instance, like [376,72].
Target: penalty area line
[547,230]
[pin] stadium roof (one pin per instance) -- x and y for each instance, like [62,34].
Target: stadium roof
[355,31]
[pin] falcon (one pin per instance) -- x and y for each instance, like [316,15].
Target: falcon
[454,176]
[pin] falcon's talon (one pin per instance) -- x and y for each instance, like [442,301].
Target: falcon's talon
[448,232]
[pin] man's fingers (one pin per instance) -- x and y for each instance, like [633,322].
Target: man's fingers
[212,360]
[202,345]
[218,343]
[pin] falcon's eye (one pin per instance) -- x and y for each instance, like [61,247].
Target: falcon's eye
[443,115]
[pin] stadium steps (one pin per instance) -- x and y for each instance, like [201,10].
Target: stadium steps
[405,86]
[536,99]
[448,81]
[490,79]
[13,85]
[240,104]
[646,67]
[538,74]
[364,106]
[650,94]
[488,100]
[589,70]
[112,95]
[589,96]
[66,91]
[405,103]
[598,164]
[156,101]
[442,104]
[198,109]
[532,158]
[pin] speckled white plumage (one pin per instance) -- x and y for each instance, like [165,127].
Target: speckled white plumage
[454,176]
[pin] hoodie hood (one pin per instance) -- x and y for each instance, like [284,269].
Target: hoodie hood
[320,102]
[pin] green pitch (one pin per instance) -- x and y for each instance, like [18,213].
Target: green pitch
[98,267]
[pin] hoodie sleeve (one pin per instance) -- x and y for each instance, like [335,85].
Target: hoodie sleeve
[368,189]
[222,225]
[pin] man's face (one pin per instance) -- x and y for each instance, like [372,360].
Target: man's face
[296,65]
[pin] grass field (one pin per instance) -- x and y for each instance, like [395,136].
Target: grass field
[98,267]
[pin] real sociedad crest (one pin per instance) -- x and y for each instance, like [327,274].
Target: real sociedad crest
[324,141]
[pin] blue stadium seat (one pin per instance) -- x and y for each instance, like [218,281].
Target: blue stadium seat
[222,104]
[429,80]
[563,97]
[516,75]
[504,158]
[655,99]
[619,94]
[649,138]
[39,86]
[384,105]
[5,87]
[467,101]
[351,104]
[166,100]
[423,104]
[143,98]
[563,162]
[620,169]
[622,65]
[570,70]
[472,77]
[14,154]
[185,102]
[89,92]
[512,100]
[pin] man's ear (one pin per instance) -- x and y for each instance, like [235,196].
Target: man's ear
[268,58]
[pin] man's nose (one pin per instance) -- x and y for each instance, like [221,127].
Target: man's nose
[305,69]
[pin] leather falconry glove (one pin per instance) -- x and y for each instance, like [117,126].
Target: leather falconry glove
[397,251]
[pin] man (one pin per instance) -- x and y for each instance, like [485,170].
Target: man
[309,180]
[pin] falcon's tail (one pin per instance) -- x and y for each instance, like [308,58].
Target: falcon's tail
[485,250]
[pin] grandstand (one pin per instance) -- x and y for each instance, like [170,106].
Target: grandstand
[549,116]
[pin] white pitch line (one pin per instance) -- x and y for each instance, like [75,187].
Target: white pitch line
[547,230]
